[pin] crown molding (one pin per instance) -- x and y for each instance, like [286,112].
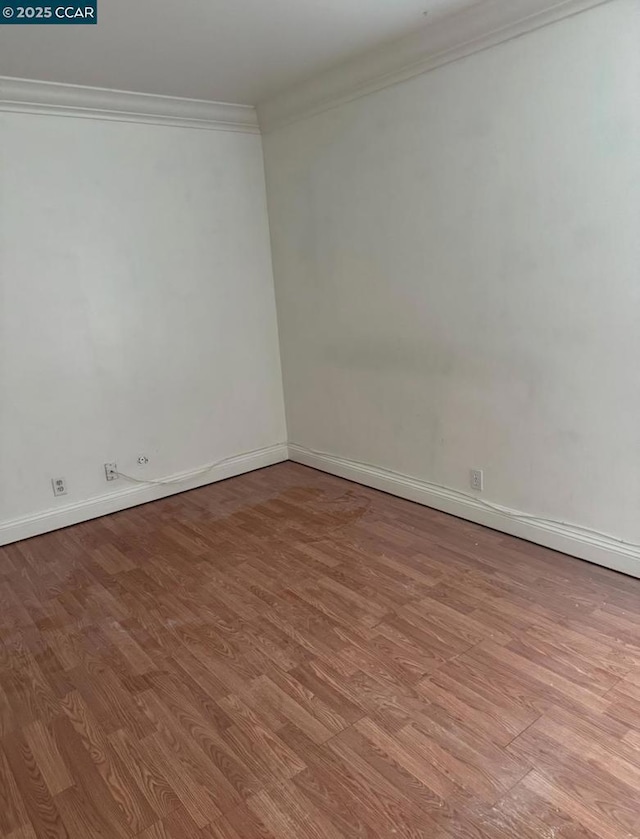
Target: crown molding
[447,39]
[36,97]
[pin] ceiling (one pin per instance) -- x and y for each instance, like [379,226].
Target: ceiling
[223,50]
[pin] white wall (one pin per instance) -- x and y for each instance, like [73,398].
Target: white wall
[457,264]
[137,311]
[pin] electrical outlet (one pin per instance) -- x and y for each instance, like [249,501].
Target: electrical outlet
[111,471]
[476,478]
[59,486]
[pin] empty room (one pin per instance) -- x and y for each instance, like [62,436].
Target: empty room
[319,419]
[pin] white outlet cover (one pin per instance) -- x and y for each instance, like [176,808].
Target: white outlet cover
[476,479]
[59,486]
[111,471]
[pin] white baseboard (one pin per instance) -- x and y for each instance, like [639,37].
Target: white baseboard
[598,548]
[23,528]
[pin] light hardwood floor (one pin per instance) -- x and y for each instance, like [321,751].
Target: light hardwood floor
[289,655]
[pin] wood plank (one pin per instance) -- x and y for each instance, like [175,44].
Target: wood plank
[50,762]
[42,813]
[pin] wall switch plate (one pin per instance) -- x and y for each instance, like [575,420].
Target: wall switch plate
[59,486]
[111,471]
[476,479]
